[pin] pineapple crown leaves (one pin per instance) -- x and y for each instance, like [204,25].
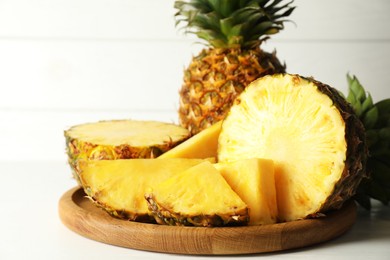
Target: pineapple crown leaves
[362,102]
[376,120]
[232,23]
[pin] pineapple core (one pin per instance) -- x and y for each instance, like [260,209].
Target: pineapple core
[288,120]
[253,180]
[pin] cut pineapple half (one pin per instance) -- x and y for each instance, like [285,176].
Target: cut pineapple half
[121,139]
[309,131]
[199,196]
[253,180]
[202,145]
[119,186]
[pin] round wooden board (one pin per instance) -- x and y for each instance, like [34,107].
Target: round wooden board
[84,218]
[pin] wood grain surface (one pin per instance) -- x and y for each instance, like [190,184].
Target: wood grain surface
[84,218]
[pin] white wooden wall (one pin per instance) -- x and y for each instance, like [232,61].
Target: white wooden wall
[65,62]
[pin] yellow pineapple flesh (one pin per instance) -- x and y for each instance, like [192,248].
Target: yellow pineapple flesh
[119,186]
[199,196]
[310,132]
[201,145]
[121,139]
[253,180]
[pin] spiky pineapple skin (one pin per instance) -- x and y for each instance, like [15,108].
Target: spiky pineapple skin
[357,152]
[215,78]
[167,217]
[114,212]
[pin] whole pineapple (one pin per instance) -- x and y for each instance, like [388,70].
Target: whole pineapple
[233,31]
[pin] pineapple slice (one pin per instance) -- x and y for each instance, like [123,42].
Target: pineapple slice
[121,139]
[253,180]
[309,131]
[202,145]
[119,186]
[199,196]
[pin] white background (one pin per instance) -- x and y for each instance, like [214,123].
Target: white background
[65,62]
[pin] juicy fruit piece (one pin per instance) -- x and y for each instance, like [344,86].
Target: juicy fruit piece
[198,196]
[310,132]
[121,139]
[253,180]
[202,145]
[376,121]
[119,186]
[233,31]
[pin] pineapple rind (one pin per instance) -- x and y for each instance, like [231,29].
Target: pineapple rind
[357,152]
[215,78]
[165,216]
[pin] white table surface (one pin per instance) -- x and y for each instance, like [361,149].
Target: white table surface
[30,227]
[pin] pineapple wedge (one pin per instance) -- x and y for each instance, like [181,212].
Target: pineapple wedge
[119,186]
[202,145]
[253,180]
[310,132]
[120,139]
[198,196]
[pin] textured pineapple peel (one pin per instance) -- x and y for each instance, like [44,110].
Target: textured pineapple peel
[309,131]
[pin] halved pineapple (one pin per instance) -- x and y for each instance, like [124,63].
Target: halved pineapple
[309,131]
[253,180]
[119,186]
[201,145]
[121,139]
[199,196]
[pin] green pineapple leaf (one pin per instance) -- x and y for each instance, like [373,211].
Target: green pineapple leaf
[384,106]
[235,23]
[367,103]
[376,121]
[370,118]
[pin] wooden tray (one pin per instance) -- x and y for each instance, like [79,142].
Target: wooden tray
[81,216]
